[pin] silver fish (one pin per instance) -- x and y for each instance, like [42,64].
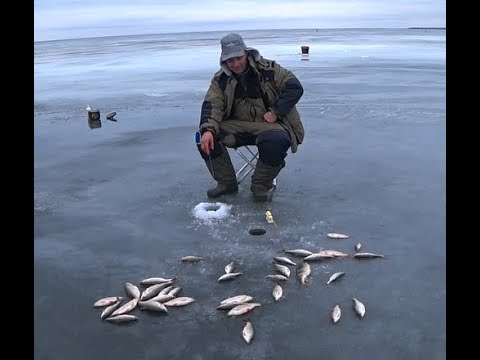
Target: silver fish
[166,290]
[358,247]
[303,271]
[174,292]
[155,280]
[229,276]
[154,290]
[152,305]
[127,307]
[229,267]
[107,301]
[359,307]
[232,303]
[242,309]
[228,306]
[284,260]
[318,256]
[241,298]
[334,235]
[334,253]
[282,269]
[298,252]
[336,313]
[110,309]
[121,318]
[335,276]
[277,277]
[162,298]
[179,301]
[132,291]
[367,255]
[191,258]
[248,332]
[277,292]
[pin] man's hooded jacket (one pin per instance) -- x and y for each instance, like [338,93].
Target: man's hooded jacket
[281,92]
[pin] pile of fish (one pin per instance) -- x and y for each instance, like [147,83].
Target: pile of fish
[161,293]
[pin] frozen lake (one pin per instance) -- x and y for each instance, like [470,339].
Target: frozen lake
[115,204]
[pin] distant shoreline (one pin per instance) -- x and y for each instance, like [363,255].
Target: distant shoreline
[236,30]
[428,28]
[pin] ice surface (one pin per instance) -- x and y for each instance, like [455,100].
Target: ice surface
[116,204]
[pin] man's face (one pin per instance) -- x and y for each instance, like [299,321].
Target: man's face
[238,64]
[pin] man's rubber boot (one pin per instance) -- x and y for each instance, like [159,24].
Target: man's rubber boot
[222,189]
[223,172]
[262,180]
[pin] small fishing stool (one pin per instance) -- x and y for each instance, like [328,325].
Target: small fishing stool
[250,157]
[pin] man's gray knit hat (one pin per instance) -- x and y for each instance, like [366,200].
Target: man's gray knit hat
[232,46]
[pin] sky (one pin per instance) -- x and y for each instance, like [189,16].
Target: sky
[69,19]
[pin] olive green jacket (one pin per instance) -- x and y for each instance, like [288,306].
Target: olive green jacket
[217,106]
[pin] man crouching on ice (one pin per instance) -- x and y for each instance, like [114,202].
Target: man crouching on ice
[250,101]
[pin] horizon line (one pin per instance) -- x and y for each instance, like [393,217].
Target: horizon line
[276,29]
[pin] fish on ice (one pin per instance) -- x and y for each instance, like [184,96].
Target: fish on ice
[335,276]
[240,298]
[247,332]
[107,301]
[180,301]
[284,260]
[277,292]
[229,276]
[152,306]
[121,318]
[174,292]
[162,298]
[154,290]
[298,252]
[155,280]
[229,267]
[334,235]
[277,277]
[242,309]
[303,271]
[282,269]
[359,307]
[318,256]
[367,255]
[234,301]
[127,307]
[110,309]
[334,253]
[132,291]
[191,258]
[336,313]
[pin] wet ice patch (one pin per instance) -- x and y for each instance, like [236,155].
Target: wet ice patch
[212,211]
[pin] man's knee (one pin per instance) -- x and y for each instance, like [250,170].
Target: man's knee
[273,146]
[236,139]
